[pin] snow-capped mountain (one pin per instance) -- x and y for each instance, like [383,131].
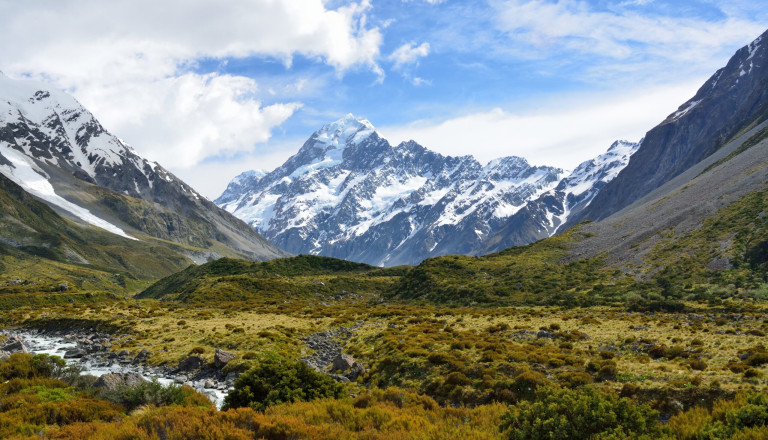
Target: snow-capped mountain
[348,193]
[546,215]
[55,149]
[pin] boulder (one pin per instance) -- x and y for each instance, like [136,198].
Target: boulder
[342,362]
[191,363]
[74,353]
[13,344]
[113,381]
[222,358]
[142,355]
[356,370]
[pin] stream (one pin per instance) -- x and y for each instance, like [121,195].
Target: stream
[100,361]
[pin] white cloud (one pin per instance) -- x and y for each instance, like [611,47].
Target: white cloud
[200,176]
[408,53]
[128,61]
[562,132]
[571,26]
[183,120]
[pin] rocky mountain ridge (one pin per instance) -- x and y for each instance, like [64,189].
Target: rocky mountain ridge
[348,193]
[730,102]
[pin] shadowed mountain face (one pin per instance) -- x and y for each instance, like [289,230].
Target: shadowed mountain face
[55,149]
[734,99]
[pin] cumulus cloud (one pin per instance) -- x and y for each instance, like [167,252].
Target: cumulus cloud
[186,119]
[132,63]
[408,53]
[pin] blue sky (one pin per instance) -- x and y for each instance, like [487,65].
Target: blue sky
[211,89]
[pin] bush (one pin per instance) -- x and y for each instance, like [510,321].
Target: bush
[586,413]
[526,384]
[197,350]
[27,366]
[745,417]
[574,379]
[154,393]
[273,382]
[698,364]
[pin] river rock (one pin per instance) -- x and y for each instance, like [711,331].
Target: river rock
[113,381]
[74,353]
[222,358]
[13,344]
[209,384]
[191,363]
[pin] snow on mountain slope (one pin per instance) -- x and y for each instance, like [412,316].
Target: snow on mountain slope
[583,184]
[24,173]
[26,101]
[56,149]
[545,215]
[348,193]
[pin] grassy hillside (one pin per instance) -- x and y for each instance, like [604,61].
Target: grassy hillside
[300,277]
[41,252]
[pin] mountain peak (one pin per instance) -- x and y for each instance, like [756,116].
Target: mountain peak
[347,130]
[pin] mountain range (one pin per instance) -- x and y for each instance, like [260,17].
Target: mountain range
[348,193]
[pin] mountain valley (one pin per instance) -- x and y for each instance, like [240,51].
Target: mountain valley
[625,299]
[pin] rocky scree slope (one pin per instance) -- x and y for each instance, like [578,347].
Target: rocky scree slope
[734,99]
[349,194]
[55,149]
[661,227]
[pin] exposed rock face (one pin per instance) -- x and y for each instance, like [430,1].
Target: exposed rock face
[734,98]
[114,381]
[221,358]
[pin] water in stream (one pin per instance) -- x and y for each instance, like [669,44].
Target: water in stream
[58,345]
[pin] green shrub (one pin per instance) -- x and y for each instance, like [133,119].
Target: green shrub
[585,413]
[273,382]
[27,366]
[526,384]
[155,393]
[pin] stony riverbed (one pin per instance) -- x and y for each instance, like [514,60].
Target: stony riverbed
[91,351]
